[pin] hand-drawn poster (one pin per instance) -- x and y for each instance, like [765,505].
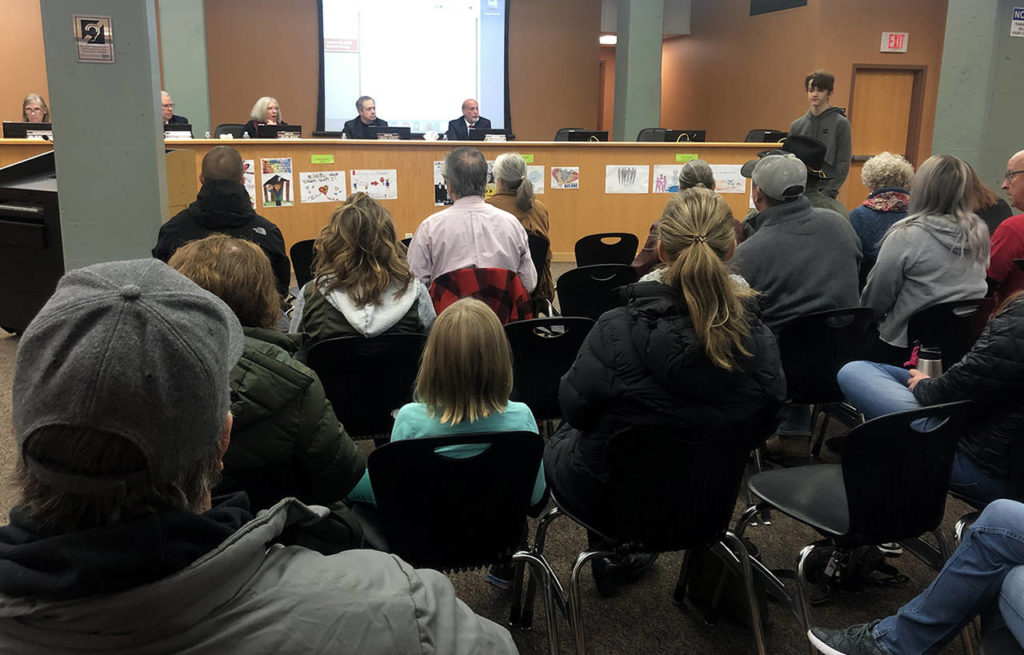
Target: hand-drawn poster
[249,179]
[380,184]
[322,186]
[728,178]
[536,175]
[626,179]
[565,177]
[440,190]
[276,182]
[492,188]
[666,178]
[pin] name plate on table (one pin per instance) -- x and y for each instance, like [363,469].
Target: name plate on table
[177,135]
[39,135]
[495,137]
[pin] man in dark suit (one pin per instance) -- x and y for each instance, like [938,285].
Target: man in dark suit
[367,108]
[167,107]
[458,129]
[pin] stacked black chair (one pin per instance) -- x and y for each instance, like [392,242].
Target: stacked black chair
[687,506]
[236,130]
[461,513]
[593,249]
[592,290]
[562,134]
[813,349]
[948,326]
[301,254]
[367,379]
[543,350]
[891,486]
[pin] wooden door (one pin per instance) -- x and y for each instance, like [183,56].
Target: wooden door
[885,114]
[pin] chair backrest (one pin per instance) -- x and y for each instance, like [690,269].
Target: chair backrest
[651,134]
[563,133]
[814,347]
[606,248]
[234,129]
[538,251]
[765,136]
[500,288]
[896,472]
[543,350]
[301,253]
[365,379]
[456,510]
[592,290]
[947,326]
[674,489]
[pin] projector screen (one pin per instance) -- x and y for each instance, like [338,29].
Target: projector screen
[418,59]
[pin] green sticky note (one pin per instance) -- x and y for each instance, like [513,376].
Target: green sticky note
[329,159]
[685,156]
[528,158]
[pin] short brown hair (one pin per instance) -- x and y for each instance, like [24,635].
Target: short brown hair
[236,271]
[466,370]
[222,163]
[820,79]
[358,252]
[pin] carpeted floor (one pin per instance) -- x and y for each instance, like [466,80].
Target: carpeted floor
[642,618]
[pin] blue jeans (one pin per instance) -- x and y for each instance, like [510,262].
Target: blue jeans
[880,389]
[984,576]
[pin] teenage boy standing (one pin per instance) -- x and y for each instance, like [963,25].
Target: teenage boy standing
[827,124]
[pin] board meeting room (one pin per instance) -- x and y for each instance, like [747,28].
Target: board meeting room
[715,235]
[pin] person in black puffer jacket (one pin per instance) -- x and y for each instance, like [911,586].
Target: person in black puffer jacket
[685,351]
[285,438]
[992,375]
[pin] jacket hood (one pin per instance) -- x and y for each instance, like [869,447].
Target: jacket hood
[372,320]
[830,112]
[222,204]
[946,231]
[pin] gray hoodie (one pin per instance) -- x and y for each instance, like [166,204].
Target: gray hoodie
[832,129]
[920,265]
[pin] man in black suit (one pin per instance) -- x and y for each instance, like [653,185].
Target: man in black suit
[458,129]
[167,107]
[367,108]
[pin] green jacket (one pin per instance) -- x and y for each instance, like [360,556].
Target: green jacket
[285,440]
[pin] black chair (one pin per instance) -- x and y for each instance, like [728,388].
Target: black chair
[651,134]
[687,506]
[813,349]
[765,136]
[1019,263]
[461,513]
[891,486]
[592,290]
[406,241]
[236,130]
[563,133]
[301,253]
[542,351]
[592,249]
[948,326]
[366,379]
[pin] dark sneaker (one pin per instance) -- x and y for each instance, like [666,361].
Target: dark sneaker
[501,576]
[610,573]
[855,640]
[891,548]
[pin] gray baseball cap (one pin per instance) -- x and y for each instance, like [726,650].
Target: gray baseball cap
[135,349]
[780,175]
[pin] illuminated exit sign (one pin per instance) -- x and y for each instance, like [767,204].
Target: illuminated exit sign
[895,41]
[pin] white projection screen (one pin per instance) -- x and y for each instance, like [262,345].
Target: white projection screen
[418,59]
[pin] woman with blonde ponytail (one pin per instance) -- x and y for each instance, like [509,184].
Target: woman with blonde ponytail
[684,352]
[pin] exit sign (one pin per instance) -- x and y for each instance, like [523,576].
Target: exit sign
[895,41]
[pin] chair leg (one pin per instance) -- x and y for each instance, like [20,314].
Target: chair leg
[679,595]
[964,522]
[576,602]
[522,613]
[748,579]
[803,606]
[747,518]
[553,592]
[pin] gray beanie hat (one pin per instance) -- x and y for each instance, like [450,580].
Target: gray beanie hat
[132,348]
[780,176]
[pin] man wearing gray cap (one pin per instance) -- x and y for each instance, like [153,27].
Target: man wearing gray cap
[121,416]
[801,259]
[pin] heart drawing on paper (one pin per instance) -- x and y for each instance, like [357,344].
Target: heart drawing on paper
[323,189]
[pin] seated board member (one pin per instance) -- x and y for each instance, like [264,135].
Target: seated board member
[266,111]
[121,414]
[458,128]
[223,207]
[167,109]
[367,108]
[34,109]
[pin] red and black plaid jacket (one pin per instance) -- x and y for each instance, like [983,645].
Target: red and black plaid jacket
[500,288]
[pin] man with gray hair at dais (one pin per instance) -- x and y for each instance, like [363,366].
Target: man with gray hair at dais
[121,417]
[470,233]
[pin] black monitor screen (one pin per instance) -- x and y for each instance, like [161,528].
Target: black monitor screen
[588,135]
[402,133]
[481,135]
[279,131]
[19,130]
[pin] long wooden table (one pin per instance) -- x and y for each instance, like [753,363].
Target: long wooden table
[574,212]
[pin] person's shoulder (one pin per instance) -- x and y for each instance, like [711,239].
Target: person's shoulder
[1012,224]
[484,123]
[412,412]
[520,411]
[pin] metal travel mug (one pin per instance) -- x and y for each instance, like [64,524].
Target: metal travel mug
[929,361]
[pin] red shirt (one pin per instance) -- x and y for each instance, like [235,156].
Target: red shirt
[1007,245]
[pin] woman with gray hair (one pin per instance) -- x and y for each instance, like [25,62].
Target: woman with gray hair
[34,109]
[515,195]
[266,111]
[887,177]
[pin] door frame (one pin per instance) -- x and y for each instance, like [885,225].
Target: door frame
[916,102]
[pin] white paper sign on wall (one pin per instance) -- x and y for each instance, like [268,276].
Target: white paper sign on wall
[1017,22]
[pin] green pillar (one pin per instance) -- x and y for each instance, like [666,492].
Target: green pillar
[183,47]
[977,117]
[637,68]
[108,136]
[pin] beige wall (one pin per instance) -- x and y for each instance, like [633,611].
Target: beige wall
[21,50]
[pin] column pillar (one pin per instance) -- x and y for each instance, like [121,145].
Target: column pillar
[637,68]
